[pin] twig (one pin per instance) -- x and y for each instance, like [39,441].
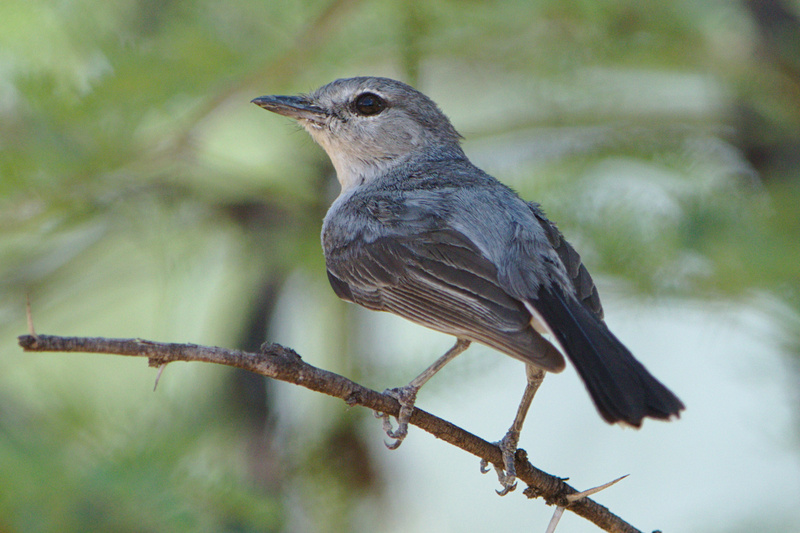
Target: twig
[580,495]
[29,315]
[551,527]
[278,362]
[572,498]
[161,368]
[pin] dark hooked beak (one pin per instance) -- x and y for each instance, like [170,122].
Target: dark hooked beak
[296,107]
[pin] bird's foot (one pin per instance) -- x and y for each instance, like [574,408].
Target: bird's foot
[508,474]
[405,396]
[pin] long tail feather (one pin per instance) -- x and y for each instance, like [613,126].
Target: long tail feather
[620,386]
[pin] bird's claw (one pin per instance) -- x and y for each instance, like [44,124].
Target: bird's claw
[389,430]
[508,474]
[405,396]
[507,480]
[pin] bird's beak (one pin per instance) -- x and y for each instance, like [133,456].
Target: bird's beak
[296,107]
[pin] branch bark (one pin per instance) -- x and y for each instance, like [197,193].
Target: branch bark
[284,364]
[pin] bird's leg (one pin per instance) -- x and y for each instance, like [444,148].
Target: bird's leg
[407,395]
[508,444]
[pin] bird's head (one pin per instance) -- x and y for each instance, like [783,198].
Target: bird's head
[367,125]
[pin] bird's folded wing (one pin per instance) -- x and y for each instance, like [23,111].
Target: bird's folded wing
[441,280]
[585,290]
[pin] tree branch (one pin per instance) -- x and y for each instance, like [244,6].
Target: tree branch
[284,364]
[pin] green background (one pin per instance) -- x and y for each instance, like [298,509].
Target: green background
[142,195]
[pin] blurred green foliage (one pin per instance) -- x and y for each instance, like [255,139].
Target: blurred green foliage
[141,195]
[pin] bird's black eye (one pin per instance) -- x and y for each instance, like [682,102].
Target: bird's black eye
[369,104]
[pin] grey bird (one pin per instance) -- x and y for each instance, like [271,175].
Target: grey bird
[421,232]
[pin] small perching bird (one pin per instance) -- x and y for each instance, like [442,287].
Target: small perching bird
[421,232]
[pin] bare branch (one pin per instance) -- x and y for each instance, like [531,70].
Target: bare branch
[284,364]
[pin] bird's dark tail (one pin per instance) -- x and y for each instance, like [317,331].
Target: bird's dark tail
[620,386]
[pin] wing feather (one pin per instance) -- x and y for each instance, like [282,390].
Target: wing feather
[441,280]
[585,290]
